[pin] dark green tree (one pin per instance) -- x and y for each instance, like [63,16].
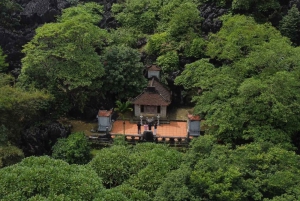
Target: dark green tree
[3,63]
[19,108]
[122,68]
[75,149]
[9,13]
[262,10]
[290,24]
[10,155]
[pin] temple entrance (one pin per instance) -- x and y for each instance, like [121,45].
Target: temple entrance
[150,109]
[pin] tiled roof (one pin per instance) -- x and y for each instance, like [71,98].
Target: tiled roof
[154,68]
[149,98]
[104,113]
[156,94]
[194,117]
[162,90]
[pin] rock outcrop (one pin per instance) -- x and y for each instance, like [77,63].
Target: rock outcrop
[38,140]
[211,15]
[33,14]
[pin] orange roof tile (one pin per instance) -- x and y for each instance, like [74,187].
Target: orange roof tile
[154,67]
[104,113]
[155,94]
[194,117]
[149,98]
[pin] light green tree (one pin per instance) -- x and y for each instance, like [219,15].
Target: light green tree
[175,186]
[43,178]
[113,165]
[246,173]
[238,36]
[242,99]
[123,192]
[62,57]
[74,150]
[151,164]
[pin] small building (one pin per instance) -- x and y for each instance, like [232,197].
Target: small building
[153,100]
[104,120]
[193,125]
[153,71]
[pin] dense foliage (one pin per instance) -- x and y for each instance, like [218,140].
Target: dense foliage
[74,150]
[253,95]
[18,107]
[3,64]
[242,76]
[38,178]
[122,68]
[208,171]
[62,56]
[8,13]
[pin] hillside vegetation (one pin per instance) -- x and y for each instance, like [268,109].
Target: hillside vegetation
[236,61]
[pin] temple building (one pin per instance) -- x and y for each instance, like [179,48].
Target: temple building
[104,120]
[155,98]
[193,125]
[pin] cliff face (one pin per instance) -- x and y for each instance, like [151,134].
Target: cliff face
[33,14]
[38,12]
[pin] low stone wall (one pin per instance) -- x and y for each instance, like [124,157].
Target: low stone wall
[134,139]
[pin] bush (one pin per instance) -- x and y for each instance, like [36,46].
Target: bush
[74,150]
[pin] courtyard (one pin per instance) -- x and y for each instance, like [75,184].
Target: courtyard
[177,127]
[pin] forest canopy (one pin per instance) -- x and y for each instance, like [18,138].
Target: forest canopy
[235,61]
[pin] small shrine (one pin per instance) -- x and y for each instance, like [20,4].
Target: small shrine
[104,120]
[153,71]
[153,101]
[193,125]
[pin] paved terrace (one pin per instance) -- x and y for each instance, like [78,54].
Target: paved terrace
[174,129]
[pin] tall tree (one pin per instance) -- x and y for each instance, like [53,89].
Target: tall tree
[258,171]
[74,150]
[19,108]
[290,24]
[62,57]
[42,178]
[244,101]
[238,36]
[123,72]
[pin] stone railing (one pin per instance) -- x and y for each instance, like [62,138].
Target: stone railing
[105,140]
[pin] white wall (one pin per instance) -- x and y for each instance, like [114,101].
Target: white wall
[137,110]
[153,73]
[163,111]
